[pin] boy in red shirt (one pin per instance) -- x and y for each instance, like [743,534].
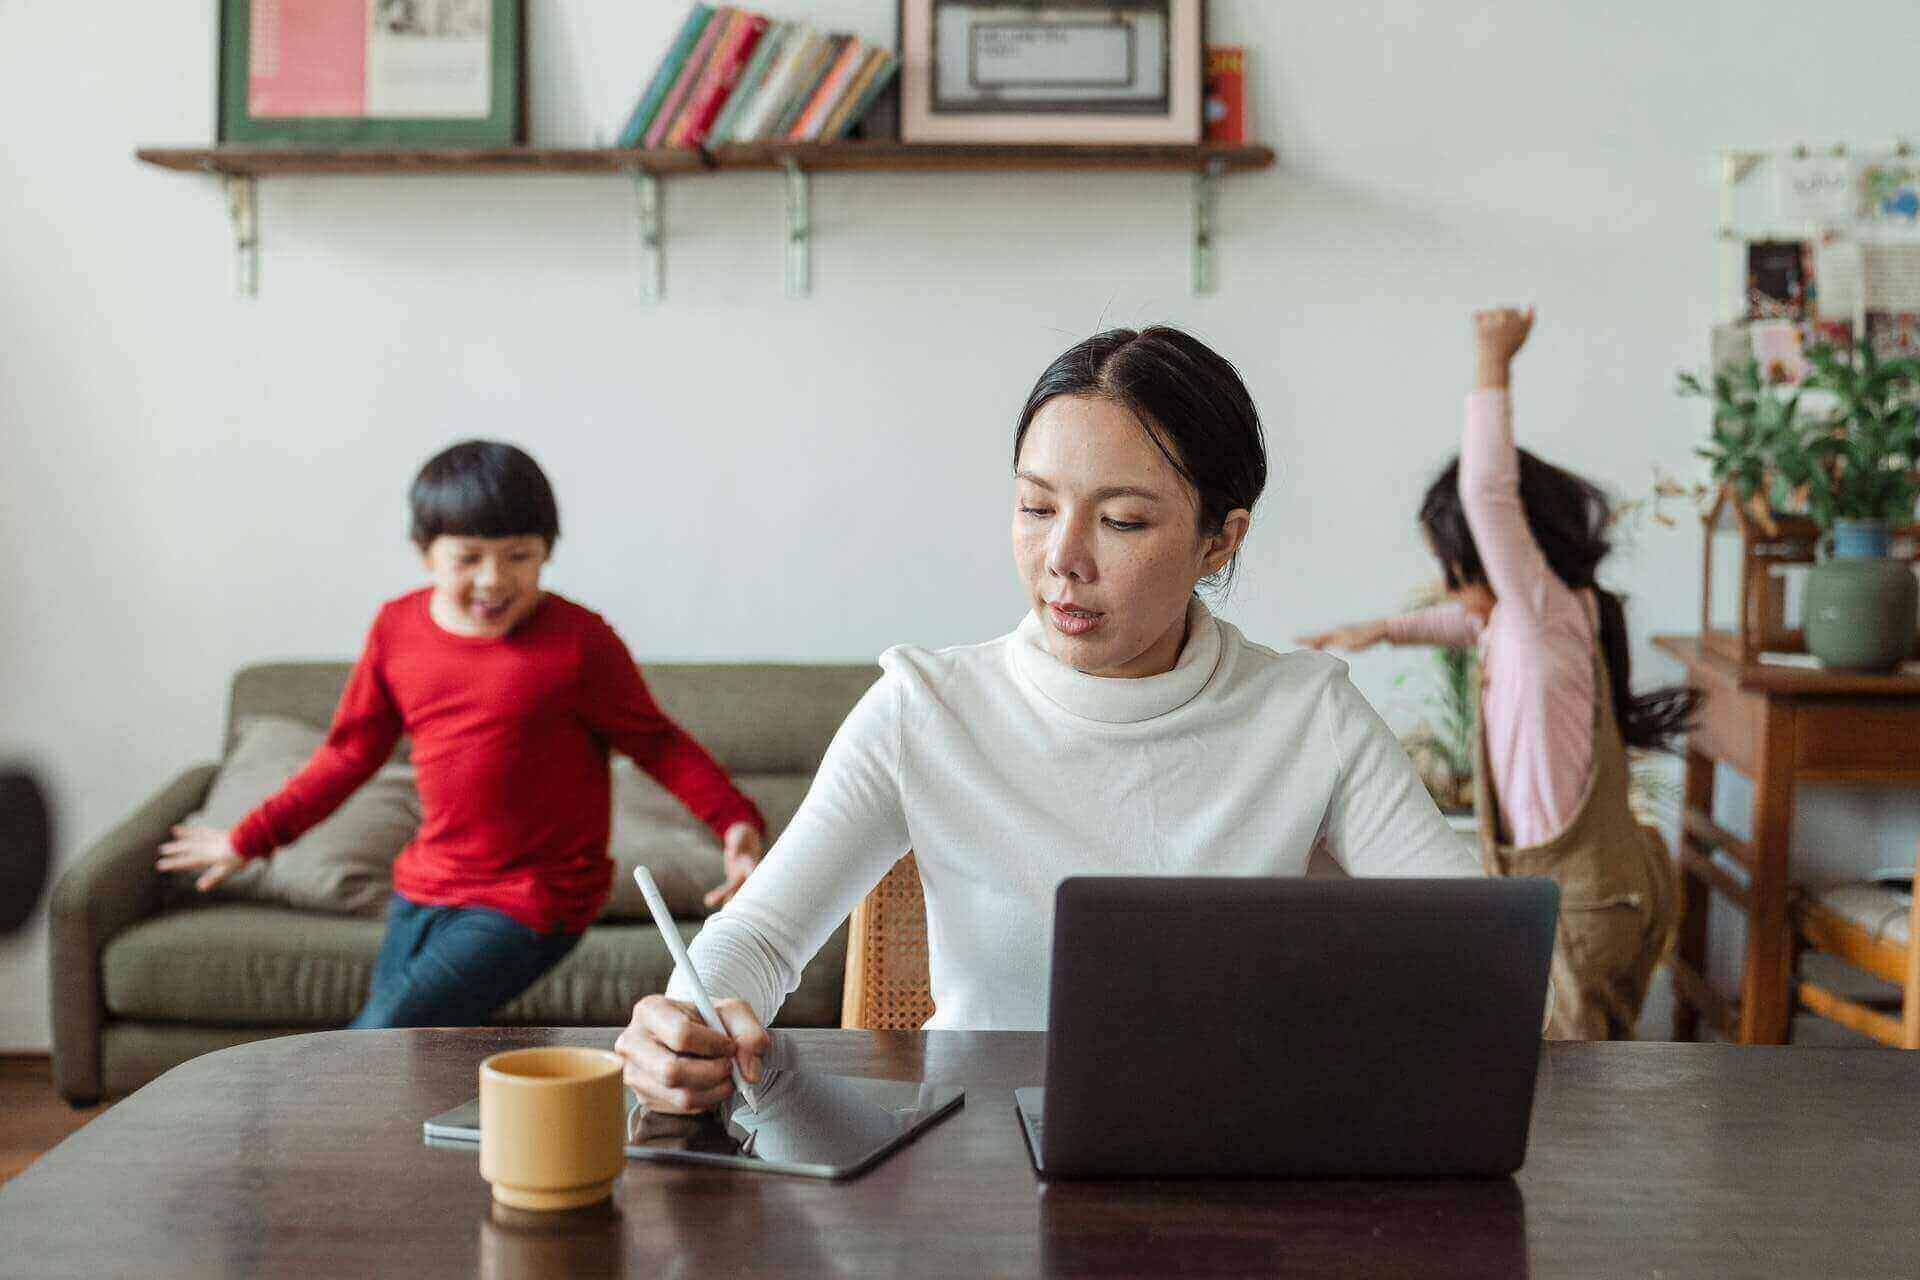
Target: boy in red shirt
[512,696]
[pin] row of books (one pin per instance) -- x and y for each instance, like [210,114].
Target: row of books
[732,75]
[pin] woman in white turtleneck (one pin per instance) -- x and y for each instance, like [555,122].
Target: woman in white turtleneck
[1120,729]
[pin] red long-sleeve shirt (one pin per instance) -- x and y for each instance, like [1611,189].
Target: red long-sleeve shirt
[510,742]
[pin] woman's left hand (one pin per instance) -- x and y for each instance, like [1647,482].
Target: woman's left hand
[740,854]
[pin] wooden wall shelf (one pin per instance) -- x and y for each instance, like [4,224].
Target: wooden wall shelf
[241,167]
[844,157]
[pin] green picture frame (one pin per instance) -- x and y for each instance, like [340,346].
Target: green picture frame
[503,126]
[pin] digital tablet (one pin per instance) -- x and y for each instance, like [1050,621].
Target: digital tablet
[808,1124]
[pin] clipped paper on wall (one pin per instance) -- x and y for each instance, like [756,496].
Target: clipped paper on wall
[1890,292]
[1816,189]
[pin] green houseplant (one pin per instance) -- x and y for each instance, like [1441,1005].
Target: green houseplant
[1442,746]
[1844,448]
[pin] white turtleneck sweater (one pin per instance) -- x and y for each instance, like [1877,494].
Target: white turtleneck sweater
[1005,772]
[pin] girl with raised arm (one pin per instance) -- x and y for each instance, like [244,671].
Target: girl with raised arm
[1519,541]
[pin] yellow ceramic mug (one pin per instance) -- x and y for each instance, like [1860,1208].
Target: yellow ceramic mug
[552,1124]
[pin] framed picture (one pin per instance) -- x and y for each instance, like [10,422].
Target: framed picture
[1085,71]
[376,73]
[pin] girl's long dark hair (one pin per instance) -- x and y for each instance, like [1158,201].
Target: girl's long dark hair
[1568,517]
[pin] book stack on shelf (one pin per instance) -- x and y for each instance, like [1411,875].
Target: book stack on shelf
[734,76]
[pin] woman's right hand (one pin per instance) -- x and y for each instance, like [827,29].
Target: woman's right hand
[1358,635]
[678,1064]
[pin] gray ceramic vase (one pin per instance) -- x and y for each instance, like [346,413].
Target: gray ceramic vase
[1861,608]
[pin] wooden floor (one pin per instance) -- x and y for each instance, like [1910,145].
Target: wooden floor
[33,1117]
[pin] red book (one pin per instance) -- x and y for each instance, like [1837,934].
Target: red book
[1226,88]
[689,75]
[730,58]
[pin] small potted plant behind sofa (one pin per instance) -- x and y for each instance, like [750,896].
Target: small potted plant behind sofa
[1842,448]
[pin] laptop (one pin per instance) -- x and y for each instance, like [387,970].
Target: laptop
[1291,1028]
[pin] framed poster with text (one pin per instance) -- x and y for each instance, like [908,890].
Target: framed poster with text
[376,73]
[1075,71]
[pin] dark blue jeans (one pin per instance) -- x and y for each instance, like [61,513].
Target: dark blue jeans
[453,966]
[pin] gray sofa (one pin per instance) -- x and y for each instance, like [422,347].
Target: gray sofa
[145,975]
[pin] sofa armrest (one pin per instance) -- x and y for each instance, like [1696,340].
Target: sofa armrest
[113,885]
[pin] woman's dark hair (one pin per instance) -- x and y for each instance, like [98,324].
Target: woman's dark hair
[1187,398]
[1568,517]
[483,489]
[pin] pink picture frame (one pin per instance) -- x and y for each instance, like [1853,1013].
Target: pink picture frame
[1181,123]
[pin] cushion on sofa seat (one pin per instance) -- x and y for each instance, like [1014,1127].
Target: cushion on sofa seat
[242,964]
[345,863]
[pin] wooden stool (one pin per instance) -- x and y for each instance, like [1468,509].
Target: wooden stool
[1872,927]
[887,985]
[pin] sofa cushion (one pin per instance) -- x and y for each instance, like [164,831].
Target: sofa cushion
[653,829]
[345,863]
[244,964]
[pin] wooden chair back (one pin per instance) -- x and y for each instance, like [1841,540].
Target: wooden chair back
[887,985]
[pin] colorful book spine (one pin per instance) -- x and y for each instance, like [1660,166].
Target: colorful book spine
[782,81]
[877,86]
[851,96]
[814,118]
[728,64]
[664,75]
[752,80]
[703,84]
[809,86]
[689,75]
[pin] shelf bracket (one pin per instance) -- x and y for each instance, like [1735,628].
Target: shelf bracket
[1203,267]
[243,212]
[653,269]
[799,232]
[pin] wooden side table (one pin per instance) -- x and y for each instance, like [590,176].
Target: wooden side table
[1779,726]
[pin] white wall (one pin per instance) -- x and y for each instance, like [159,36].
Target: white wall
[193,481]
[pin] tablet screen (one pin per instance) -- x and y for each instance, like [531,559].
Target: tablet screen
[808,1123]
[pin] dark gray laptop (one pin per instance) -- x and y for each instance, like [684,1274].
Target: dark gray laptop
[1291,1028]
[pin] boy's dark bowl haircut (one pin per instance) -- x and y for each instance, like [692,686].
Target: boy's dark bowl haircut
[483,489]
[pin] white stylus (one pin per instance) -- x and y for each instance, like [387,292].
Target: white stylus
[670,934]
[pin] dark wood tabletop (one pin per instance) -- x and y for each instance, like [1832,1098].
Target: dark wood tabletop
[302,1156]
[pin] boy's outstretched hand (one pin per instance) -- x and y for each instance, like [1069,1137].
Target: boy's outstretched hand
[203,849]
[1498,335]
[740,854]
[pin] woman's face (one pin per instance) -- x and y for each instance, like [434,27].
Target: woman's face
[1106,537]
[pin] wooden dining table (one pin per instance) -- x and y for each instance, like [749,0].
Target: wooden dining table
[303,1156]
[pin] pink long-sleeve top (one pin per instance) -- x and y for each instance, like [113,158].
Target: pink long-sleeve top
[1536,649]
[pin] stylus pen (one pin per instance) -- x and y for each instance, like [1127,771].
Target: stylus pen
[670,934]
